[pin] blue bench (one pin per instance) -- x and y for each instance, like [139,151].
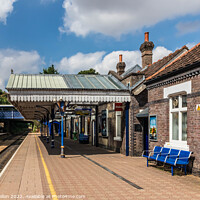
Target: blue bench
[174,157]
[83,138]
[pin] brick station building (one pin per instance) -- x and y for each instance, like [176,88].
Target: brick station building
[165,103]
[160,102]
[174,101]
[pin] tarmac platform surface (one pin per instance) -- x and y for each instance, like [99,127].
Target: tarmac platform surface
[37,172]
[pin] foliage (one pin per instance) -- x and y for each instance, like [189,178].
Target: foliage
[36,126]
[50,70]
[3,97]
[90,71]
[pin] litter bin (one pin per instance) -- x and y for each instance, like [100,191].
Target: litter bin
[75,135]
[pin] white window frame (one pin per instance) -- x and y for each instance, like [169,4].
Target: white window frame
[178,110]
[169,92]
[118,134]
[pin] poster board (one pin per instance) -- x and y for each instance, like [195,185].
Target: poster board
[153,127]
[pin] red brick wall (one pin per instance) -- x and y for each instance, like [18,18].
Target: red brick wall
[193,127]
[137,137]
[161,109]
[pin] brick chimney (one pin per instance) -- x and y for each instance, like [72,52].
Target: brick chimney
[120,66]
[146,50]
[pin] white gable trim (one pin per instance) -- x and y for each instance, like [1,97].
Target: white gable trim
[185,87]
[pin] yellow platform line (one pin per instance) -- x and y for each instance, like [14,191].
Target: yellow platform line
[52,190]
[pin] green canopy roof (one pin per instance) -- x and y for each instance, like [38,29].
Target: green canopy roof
[68,81]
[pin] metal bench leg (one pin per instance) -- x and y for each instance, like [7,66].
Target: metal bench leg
[185,170]
[172,170]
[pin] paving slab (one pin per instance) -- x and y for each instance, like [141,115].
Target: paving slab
[89,172]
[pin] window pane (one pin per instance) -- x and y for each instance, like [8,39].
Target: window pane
[175,102]
[104,131]
[184,126]
[184,101]
[118,126]
[175,133]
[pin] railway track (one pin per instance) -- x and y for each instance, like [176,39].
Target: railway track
[7,153]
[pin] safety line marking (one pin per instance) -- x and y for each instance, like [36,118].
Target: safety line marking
[52,190]
[108,170]
[113,173]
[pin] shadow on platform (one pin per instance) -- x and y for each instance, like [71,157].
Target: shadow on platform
[73,148]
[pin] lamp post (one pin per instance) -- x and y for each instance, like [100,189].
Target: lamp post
[48,113]
[62,112]
[40,113]
[52,131]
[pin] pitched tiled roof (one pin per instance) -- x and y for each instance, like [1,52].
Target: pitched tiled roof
[68,81]
[131,70]
[188,58]
[156,66]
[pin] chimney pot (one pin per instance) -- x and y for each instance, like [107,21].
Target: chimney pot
[120,66]
[146,38]
[120,58]
[146,50]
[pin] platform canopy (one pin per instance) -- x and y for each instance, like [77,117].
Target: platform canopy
[28,91]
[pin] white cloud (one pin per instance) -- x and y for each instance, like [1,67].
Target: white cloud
[190,45]
[117,17]
[79,62]
[188,27]
[110,61]
[31,61]
[103,62]
[19,61]
[160,52]
[6,7]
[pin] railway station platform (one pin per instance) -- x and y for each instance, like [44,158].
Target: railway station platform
[37,172]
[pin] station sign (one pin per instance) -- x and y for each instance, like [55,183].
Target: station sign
[118,107]
[83,111]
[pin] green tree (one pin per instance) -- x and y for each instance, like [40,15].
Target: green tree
[89,71]
[36,126]
[50,70]
[3,97]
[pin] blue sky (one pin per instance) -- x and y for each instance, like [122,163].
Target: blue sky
[79,34]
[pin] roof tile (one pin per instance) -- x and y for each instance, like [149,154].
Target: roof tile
[186,59]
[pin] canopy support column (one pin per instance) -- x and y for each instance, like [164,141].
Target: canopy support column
[127,127]
[71,129]
[62,154]
[97,136]
[52,130]
[47,128]
[41,129]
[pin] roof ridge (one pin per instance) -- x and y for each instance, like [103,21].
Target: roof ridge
[160,60]
[183,47]
[173,61]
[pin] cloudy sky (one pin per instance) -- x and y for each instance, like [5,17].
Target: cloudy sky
[76,35]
